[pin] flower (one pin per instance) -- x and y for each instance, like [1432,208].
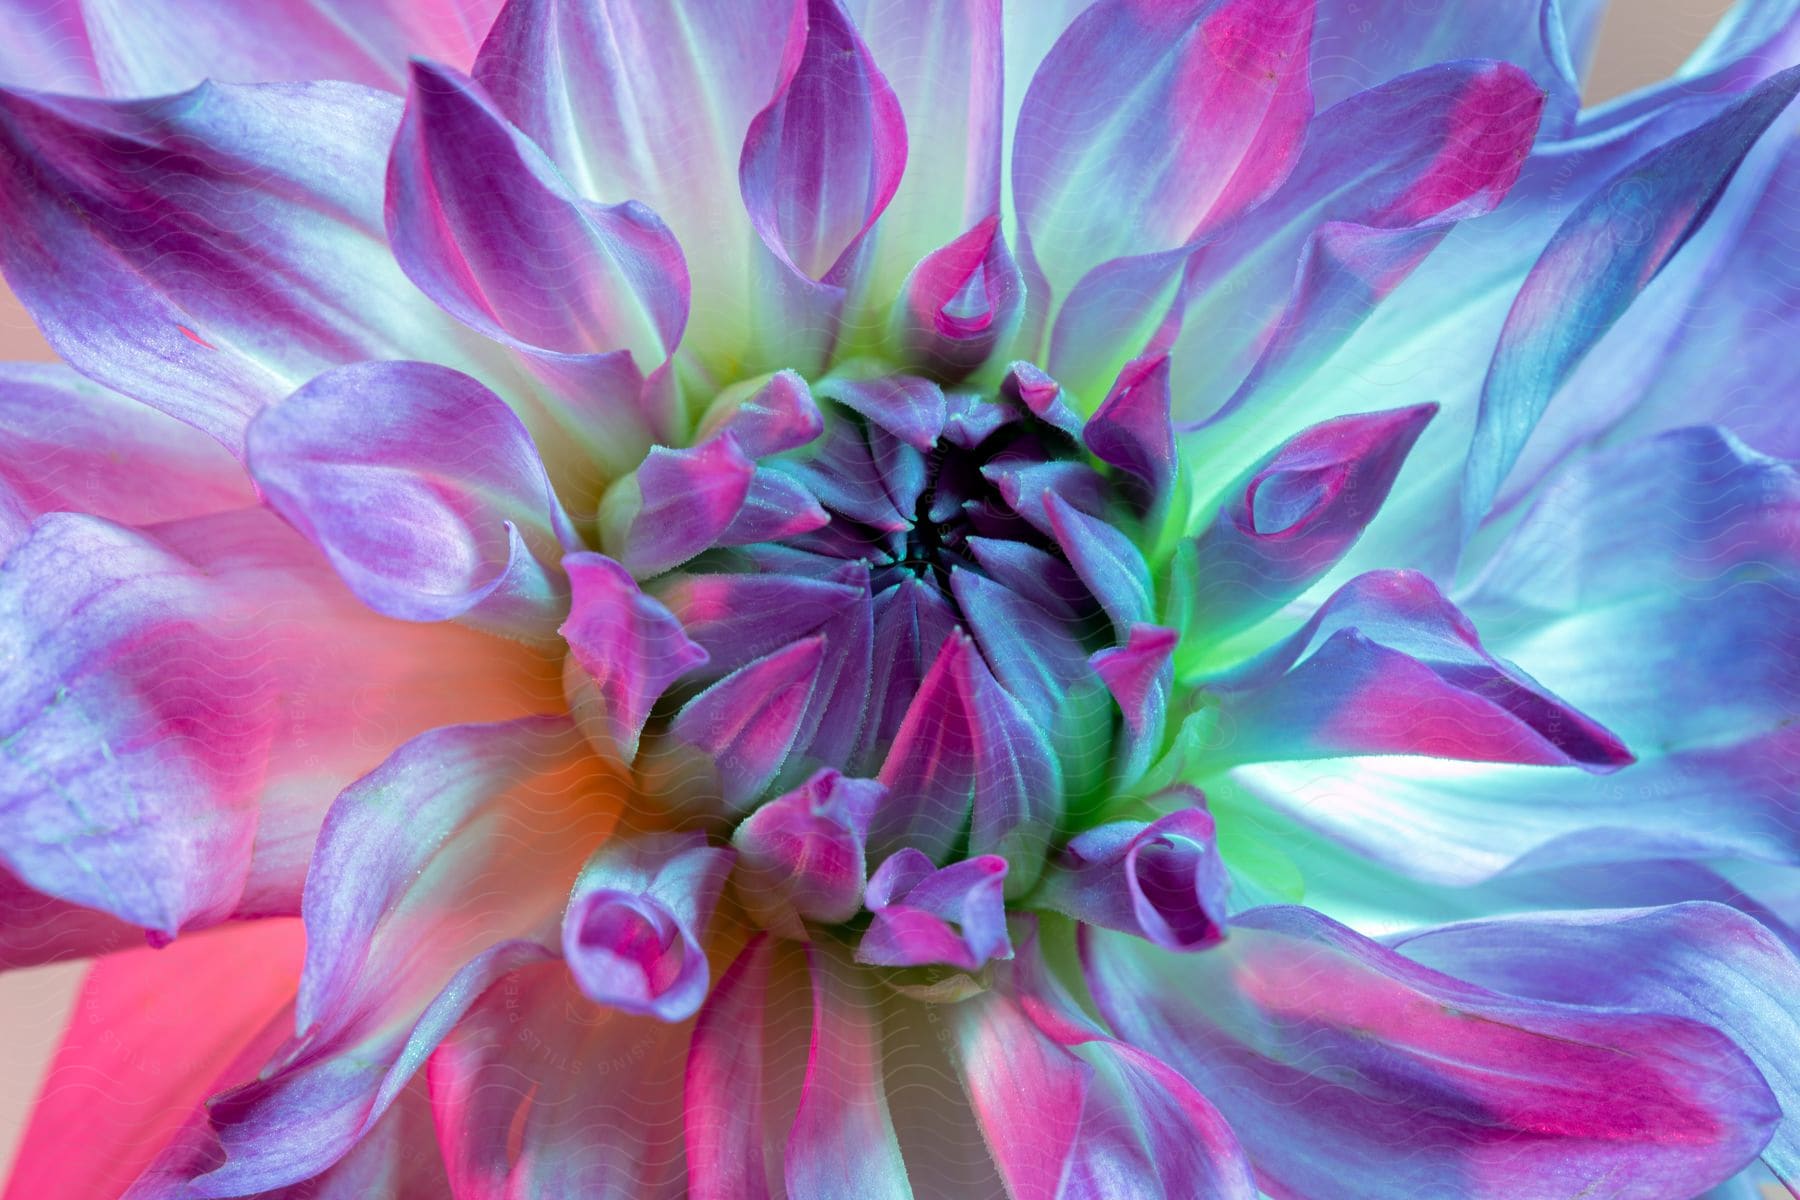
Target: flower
[896,599]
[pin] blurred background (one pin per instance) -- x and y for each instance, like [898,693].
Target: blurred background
[1640,42]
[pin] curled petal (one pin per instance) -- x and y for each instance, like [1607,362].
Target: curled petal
[778,415]
[633,930]
[961,302]
[1163,881]
[909,407]
[1389,666]
[424,491]
[1140,675]
[1132,431]
[801,855]
[629,645]
[1293,516]
[955,915]
[1499,1096]
[821,162]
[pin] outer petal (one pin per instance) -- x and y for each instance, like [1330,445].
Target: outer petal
[209,252]
[1388,666]
[424,490]
[1189,112]
[150,1036]
[632,933]
[68,442]
[465,839]
[152,47]
[842,1141]
[484,223]
[1591,271]
[723,1101]
[539,1093]
[1494,1096]
[649,100]
[1703,961]
[184,702]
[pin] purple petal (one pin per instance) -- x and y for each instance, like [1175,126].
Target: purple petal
[1594,268]
[1494,1096]
[1292,517]
[649,100]
[954,915]
[1189,113]
[1388,666]
[962,302]
[823,159]
[929,770]
[724,1083]
[154,47]
[488,228]
[206,253]
[737,619]
[1131,429]
[1707,962]
[907,406]
[424,491]
[842,1142]
[678,503]
[1042,395]
[748,722]
[633,930]
[801,855]
[1162,881]
[1140,675]
[911,622]
[1107,561]
[630,646]
[778,416]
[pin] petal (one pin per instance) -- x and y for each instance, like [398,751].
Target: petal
[1391,667]
[748,722]
[649,100]
[1131,429]
[1163,881]
[800,856]
[1493,1095]
[962,302]
[1189,113]
[227,242]
[823,159]
[432,877]
[1009,1067]
[929,769]
[1706,962]
[486,226]
[1383,176]
[953,915]
[630,646]
[424,491]
[778,414]
[1591,271]
[153,47]
[1288,520]
[65,438]
[842,1141]
[909,407]
[186,701]
[1107,561]
[678,503]
[151,1033]
[723,1101]
[538,1093]
[1140,675]
[37,929]
[632,933]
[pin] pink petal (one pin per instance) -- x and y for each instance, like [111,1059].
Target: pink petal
[800,856]
[724,1082]
[747,723]
[677,503]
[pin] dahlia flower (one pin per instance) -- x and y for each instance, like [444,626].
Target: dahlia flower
[879,598]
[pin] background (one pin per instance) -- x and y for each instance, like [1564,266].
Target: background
[1640,42]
